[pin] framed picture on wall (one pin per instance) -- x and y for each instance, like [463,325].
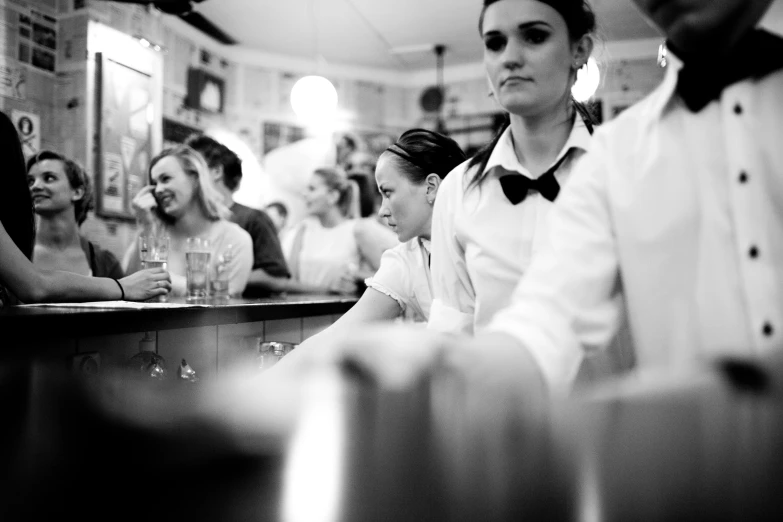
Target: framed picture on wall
[124,136]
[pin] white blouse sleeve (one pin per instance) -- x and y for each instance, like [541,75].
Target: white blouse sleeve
[393,278]
[453,299]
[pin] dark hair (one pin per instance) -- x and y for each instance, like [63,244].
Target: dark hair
[16,204]
[335,179]
[218,155]
[77,178]
[420,152]
[280,207]
[368,193]
[580,21]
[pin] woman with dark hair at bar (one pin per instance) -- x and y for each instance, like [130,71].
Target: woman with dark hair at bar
[408,175]
[19,278]
[62,196]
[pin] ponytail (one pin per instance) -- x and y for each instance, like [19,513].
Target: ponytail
[481,158]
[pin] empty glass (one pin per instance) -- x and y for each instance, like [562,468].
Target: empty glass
[197,260]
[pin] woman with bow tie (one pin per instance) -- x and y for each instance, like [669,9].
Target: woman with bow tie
[490,217]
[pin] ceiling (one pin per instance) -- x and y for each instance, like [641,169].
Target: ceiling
[364,32]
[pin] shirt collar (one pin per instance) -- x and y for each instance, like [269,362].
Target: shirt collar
[425,244]
[503,154]
[772,21]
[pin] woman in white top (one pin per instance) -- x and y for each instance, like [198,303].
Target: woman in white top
[326,250]
[408,175]
[491,213]
[181,202]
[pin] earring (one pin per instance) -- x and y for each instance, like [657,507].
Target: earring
[430,201]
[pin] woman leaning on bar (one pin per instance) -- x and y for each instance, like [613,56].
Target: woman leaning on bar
[181,202]
[408,176]
[20,280]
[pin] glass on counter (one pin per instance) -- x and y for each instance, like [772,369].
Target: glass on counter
[197,259]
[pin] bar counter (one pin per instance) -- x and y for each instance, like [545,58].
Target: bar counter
[180,330]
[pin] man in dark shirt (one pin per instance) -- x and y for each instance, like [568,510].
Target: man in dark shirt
[270,273]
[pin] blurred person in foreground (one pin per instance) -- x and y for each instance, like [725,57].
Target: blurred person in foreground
[701,277]
[20,279]
[181,201]
[62,196]
[270,272]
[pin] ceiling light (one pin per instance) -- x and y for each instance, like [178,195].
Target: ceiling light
[314,99]
[587,80]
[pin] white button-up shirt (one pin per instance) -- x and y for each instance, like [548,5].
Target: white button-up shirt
[681,214]
[481,242]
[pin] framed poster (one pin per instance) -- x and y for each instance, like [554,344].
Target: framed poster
[124,136]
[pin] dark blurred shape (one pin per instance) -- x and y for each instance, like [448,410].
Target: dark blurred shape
[745,376]
[64,456]
[369,197]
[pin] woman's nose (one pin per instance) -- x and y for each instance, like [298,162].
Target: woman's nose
[513,54]
[384,210]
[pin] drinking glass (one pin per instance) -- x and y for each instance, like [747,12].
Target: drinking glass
[154,253]
[197,259]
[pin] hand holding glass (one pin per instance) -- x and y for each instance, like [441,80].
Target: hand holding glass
[154,253]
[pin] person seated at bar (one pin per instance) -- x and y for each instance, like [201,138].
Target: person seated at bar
[408,176]
[278,213]
[181,202]
[20,279]
[270,272]
[327,250]
[676,208]
[62,196]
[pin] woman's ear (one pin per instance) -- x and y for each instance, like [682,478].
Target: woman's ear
[433,183]
[581,51]
[217,174]
[77,194]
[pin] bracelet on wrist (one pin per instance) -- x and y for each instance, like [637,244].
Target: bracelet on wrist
[122,290]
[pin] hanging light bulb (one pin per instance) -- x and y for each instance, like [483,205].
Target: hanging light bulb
[314,99]
[587,80]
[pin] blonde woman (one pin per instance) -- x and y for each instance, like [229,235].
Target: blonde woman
[181,202]
[331,251]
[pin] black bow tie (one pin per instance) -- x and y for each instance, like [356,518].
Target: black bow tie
[702,79]
[516,186]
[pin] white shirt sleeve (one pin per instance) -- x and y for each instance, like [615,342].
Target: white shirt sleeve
[570,298]
[393,278]
[453,302]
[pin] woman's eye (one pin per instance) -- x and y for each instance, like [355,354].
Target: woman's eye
[494,43]
[536,36]
[30,182]
[49,179]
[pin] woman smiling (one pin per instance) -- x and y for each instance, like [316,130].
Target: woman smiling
[181,202]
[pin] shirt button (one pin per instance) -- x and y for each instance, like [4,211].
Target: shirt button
[743,177]
[753,252]
[767,329]
[738,109]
